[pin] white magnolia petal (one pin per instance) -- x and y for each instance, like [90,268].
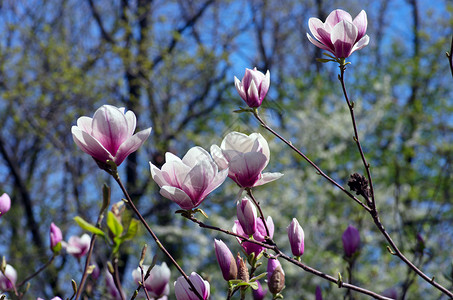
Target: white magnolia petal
[268,177]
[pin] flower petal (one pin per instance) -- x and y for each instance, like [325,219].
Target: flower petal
[361,23]
[237,141]
[240,88]
[90,145]
[110,127]
[361,43]
[268,177]
[319,45]
[337,16]
[218,157]
[131,145]
[178,196]
[343,38]
[85,123]
[247,168]
[131,122]
[195,155]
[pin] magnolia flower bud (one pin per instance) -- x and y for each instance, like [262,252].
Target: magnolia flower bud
[296,238]
[8,280]
[259,293]
[351,240]
[5,204]
[318,293]
[246,213]
[226,260]
[55,238]
[275,276]
[253,87]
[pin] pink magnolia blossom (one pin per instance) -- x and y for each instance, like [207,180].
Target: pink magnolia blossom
[259,235]
[339,34]
[253,87]
[157,284]
[8,280]
[188,181]
[183,291]
[5,204]
[55,237]
[296,237]
[77,246]
[246,156]
[109,135]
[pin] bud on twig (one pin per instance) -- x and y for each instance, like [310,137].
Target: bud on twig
[243,272]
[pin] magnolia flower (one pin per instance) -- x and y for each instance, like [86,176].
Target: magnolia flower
[8,280]
[339,34]
[55,237]
[226,260]
[259,235]
[296,237]
[109,135]
[275,276]
[157,284]
[188,181]
[5,204]
[253,87]
[246,156]
[54,298]
[184,292]
[351,240]
[77,246]
[246,213]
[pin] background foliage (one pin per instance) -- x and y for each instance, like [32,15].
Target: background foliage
[172,63]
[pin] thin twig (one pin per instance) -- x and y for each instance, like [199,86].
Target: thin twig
[38,271]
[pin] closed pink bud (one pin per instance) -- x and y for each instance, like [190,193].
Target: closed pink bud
[275,276]
[77,246]
[226,260]
[253,87]
[55,237]
[339,34]
[5,204]
[245,156]
[296,238]
[8,280]
[351,241]
[188,181]
[259,293]
[109,135]
[246,213]
[157,284]
[184,292]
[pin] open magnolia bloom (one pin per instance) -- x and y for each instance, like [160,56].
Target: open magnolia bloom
[246,156]
[157,284]
[109,135]
[339,34]
[189,180]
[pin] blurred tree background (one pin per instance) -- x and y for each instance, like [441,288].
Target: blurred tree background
[172,62]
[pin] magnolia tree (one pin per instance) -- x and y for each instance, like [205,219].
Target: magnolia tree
[188,181]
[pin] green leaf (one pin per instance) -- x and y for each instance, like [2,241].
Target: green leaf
[132,230]
[88,227]
[114,225]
